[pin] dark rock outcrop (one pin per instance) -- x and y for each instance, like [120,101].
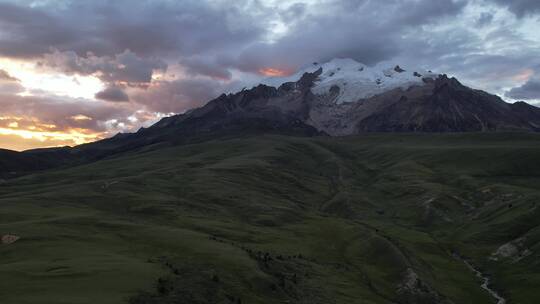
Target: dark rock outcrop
[445,105]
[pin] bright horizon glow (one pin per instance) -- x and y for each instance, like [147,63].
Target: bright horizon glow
[43,82]
[50,82]
[75,136]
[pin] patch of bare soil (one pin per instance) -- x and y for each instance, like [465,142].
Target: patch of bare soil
[9,239]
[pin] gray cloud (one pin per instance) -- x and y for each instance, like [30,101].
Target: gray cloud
[521,7]
[9,84]
[530,90]
[5,76]
[30,32]
[125,67]
[294,12]
[58,112]
[206,67]
[110,27]
[113,94]
[421,12]
[180,95]
[367,31]
[484,19]
[208,36]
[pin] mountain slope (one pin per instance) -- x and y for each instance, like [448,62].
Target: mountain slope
[341,97]
[273,219]
[344,97]
[13,164]
[350,98]
[451,107]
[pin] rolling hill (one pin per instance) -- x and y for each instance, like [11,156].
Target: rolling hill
[382,218]
[341,184]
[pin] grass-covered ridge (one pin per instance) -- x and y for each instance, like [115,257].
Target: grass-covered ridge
[269,219]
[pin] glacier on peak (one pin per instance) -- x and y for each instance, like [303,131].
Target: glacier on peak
[356,80]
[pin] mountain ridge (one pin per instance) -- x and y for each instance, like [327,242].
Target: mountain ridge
[431,104]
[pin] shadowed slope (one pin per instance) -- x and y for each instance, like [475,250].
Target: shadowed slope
[371,219]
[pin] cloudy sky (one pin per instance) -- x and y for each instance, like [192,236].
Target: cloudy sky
[74,71]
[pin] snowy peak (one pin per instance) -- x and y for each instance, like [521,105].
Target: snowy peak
[356,80]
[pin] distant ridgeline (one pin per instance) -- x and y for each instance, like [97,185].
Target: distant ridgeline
[337,98]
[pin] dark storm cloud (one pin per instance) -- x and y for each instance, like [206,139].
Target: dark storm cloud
[368,31]
[110,27]
[530,90]
[206,67]
[29,32]
[125,67]
[520,7]
[421,12]
[113,94]
[365,30]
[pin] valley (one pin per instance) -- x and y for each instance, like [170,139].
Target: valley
[373,218]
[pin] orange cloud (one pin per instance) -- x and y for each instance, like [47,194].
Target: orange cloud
[21,133]
[26,123]
[10,118]
[523,76]
[80,117]
[274,72]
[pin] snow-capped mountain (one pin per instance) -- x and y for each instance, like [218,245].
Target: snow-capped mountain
[336,98]
[356,80]
[345,97]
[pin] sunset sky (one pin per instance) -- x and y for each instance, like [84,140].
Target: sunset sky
[76,71]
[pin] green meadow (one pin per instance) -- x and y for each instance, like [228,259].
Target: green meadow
[378,218]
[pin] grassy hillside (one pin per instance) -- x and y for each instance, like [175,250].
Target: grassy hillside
[272,219]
